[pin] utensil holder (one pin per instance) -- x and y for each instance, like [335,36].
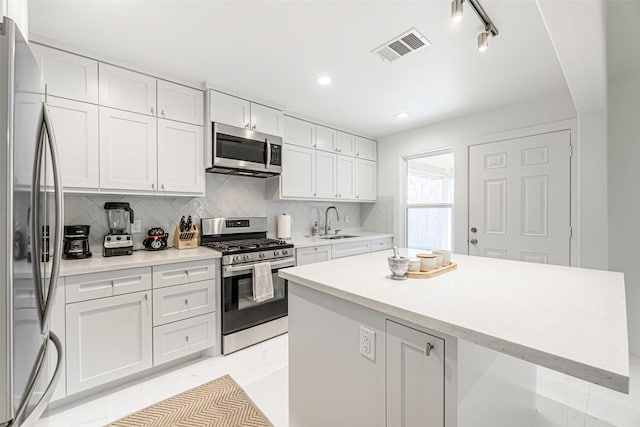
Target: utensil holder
[186,239]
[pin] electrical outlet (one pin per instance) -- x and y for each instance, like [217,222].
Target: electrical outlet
[368,343]
[346,219]
[136,227]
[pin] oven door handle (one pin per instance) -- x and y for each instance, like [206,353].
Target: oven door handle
[229,269]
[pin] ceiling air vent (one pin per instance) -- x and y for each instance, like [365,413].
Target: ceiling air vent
[402,45]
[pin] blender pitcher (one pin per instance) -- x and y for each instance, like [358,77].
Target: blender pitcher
[119,217]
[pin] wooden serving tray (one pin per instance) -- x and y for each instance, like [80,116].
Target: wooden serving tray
[432,273]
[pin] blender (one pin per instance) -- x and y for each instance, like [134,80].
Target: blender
[119,240]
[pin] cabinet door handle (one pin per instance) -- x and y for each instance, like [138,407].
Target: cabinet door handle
[163,186]
[246,126]
[253,127]
[427,350]
[153,186]
[146,297]
[187,338]
[186,302]
[162,112]
[152,110]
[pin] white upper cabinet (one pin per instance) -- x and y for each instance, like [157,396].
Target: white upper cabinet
[230,110]
[325,175]
[181,103]
[345,143]
[180,163]
[128,157]
[239,112]
[366,148]
[127,90]
[298,171]
[346,177]
[299,132]
[67,75]
[366,180]
[325,139]
[76,129]
[266,119]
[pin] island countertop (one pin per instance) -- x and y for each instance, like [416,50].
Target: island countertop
[572,320]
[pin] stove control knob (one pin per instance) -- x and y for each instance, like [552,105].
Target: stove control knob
[262,255]
[276,253]
[285,252]
[237,258]
[247,257]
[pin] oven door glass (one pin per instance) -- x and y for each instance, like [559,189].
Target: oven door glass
[240,311]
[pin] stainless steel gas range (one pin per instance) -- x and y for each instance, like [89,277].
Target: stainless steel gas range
[243,243]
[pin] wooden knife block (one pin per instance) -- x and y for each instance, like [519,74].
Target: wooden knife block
[186,239]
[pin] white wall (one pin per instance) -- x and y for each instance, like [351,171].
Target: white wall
[458,133]
[624,192]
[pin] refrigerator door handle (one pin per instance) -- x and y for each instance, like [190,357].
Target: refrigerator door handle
[59,206]
[27,420]
[36,228]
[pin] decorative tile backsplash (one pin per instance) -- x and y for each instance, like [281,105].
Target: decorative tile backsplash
[225,196]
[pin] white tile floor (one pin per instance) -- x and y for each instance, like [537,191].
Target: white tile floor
[262,371]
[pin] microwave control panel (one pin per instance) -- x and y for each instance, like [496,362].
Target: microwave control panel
[276,155]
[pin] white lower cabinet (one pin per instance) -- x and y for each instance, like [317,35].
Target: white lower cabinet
[178,339]
[313,254]
[415,382]
[107,339]
[175,303]
[340,250]
[381,244]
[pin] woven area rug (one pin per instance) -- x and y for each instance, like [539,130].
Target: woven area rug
[219,403]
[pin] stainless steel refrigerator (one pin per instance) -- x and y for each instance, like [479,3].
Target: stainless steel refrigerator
[31,215]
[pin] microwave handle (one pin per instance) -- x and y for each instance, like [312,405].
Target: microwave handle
[268,162]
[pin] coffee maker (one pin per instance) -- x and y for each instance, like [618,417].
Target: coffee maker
[119,240]
[76,242]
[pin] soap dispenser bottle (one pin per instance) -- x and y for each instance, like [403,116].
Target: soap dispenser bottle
[315,230]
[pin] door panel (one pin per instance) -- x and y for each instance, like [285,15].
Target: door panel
[180,164]
[519,198]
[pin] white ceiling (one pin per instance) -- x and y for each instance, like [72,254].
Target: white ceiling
[274,50]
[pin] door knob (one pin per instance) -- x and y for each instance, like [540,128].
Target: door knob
[473,241]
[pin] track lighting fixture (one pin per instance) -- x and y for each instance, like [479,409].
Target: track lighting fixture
[483,41]
[456,11]
[490,30]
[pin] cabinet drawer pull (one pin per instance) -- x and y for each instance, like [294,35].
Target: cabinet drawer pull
[427,350]
[187,338]
[146,297]
[186,302]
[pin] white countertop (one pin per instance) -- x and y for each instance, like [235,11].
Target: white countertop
[305,242]
[140,258]
[568,319]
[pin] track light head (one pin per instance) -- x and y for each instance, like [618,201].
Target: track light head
[456,11]
[483,40]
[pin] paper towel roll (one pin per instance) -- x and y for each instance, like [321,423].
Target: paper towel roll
[284,227]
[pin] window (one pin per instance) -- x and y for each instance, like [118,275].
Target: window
[429,203]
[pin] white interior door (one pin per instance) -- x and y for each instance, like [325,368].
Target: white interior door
[520,198]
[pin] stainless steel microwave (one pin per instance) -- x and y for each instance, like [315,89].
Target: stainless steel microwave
[239,151]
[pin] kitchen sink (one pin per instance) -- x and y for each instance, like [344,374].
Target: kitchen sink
[336,237]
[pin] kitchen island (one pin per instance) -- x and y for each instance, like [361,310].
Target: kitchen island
[459,349]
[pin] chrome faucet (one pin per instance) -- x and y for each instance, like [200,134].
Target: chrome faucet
[326,222]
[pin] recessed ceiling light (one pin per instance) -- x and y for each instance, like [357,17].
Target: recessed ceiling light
[402,115]
[324,80]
